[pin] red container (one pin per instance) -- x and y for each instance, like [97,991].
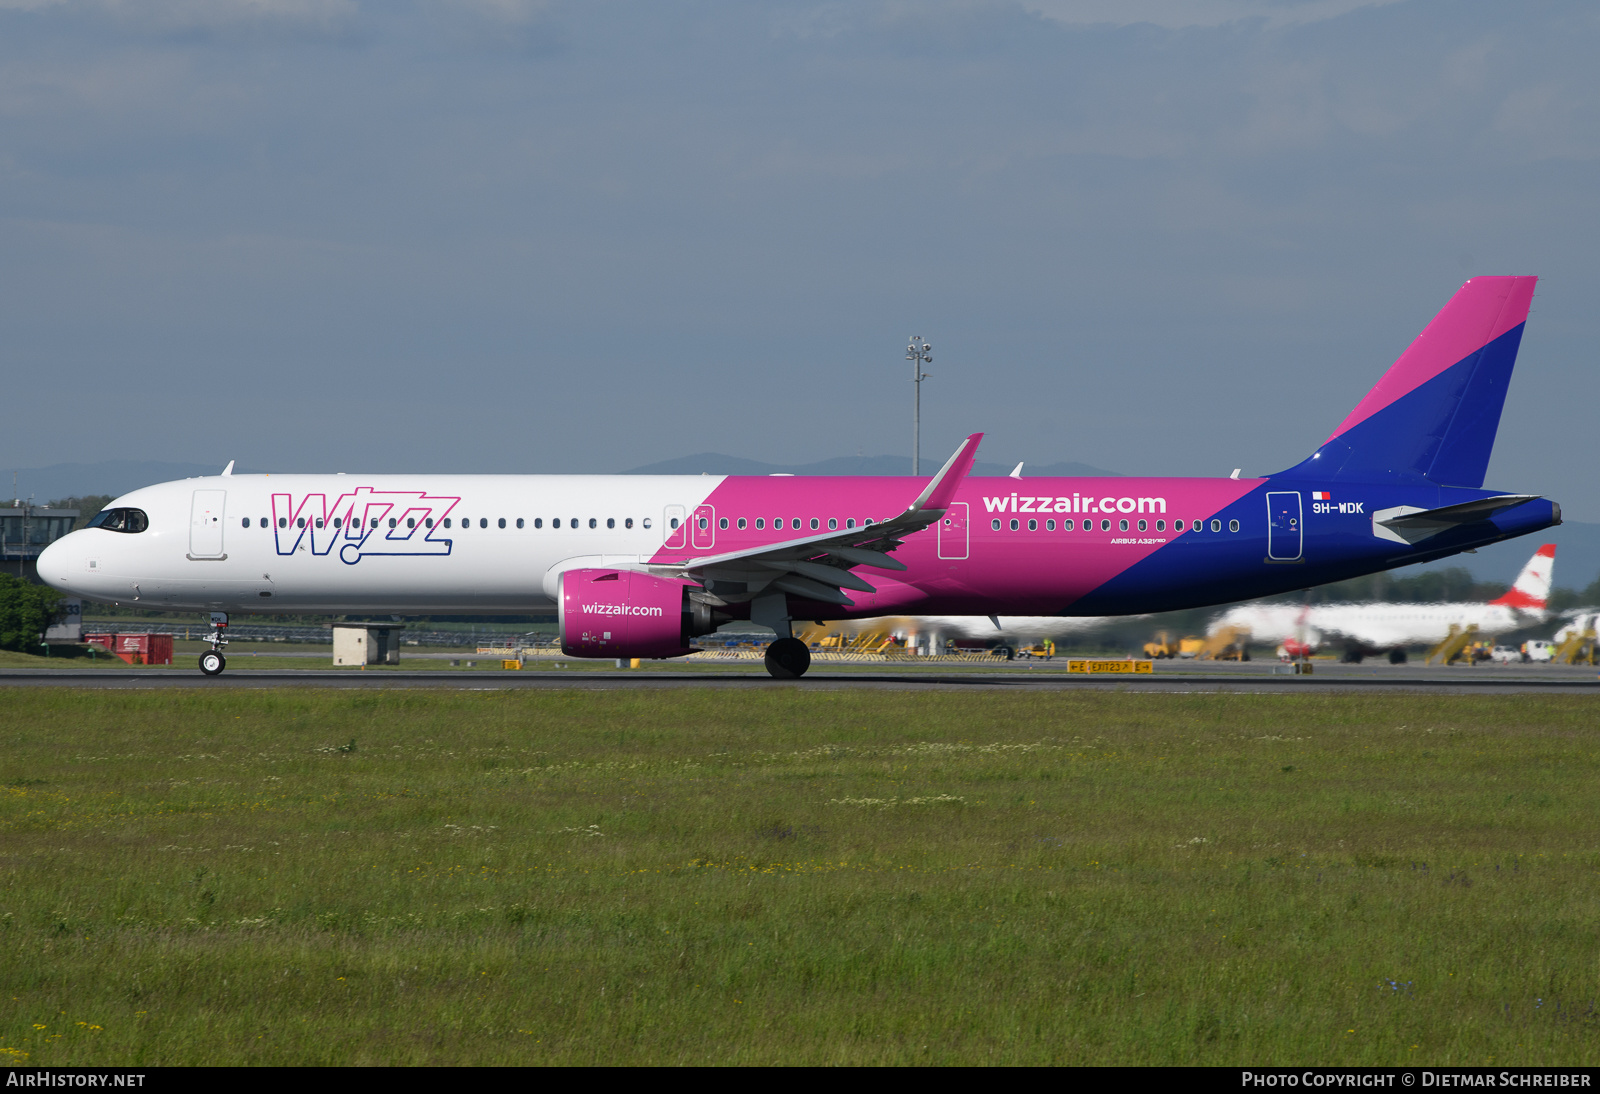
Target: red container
[136,649]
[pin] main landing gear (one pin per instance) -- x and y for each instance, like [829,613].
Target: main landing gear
[212,662]
[788,659]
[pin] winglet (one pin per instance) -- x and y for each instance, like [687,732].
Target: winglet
[229,469]
[943,486]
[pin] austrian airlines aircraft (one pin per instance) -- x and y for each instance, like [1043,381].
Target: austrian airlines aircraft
[1373,628]
[638,566]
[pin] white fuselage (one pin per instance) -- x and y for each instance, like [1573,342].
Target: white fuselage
[191,558]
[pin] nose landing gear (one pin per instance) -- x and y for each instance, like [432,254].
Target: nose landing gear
[212,662]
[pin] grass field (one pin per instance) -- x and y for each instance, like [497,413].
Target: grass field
[295,876]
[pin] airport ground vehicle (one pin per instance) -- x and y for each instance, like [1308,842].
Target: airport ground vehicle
[640,566]
[1538,649]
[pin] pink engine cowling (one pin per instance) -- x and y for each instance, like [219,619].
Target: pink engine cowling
[620,613]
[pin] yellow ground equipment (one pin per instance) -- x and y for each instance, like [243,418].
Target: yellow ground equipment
[1577,647]
[1455,644]
[1164,646]
[1228,644]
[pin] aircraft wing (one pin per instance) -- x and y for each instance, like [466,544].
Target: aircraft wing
[1408,524]
[818,567]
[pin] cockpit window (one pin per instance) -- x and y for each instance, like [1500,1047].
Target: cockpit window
[120,520]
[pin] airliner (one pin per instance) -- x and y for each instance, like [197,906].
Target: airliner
[639,566]
[1367,629]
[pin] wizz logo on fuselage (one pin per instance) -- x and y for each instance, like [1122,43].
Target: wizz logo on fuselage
[362,522]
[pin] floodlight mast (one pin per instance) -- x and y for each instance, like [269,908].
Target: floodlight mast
[918,353]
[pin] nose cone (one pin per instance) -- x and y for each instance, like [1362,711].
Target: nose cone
[53,566]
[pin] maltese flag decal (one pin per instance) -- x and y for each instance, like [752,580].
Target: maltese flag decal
[1321,495]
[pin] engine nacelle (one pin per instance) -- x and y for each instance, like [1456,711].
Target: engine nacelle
[622,613]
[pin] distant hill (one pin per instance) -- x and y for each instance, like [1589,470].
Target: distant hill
[68,480]
[715,463]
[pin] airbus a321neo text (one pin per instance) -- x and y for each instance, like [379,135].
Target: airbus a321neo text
[638,566]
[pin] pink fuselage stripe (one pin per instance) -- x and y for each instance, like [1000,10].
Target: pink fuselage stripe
[1481,310]
[1010,572]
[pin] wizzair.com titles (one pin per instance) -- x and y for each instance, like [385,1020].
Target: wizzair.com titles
[1077,503]
[621,609]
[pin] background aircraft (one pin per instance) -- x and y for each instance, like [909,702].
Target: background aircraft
[1365,629]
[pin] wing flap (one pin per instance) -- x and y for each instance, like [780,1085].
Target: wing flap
[818,567]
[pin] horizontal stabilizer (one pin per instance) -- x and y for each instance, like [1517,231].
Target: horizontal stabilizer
[1408,524]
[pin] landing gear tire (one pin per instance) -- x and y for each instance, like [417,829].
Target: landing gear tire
[1397,657]
[1007,652]
[212,663]
[788,659]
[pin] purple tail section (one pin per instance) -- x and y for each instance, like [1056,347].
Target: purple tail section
[1433,416]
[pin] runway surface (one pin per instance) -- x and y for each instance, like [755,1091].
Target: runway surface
[1258,677]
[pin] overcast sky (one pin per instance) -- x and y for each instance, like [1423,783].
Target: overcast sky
[1158,236]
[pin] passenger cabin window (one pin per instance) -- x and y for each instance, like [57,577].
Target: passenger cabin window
[995,524]
[1122,525]
[247,522]
[1233,526]
[538,522]
[760,523]
[722,522]
[593,523]
[1216,526]
[646,522]
[519,522]
[611,522]
[628,522]
[131,521]
[502,522]
[742,523]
